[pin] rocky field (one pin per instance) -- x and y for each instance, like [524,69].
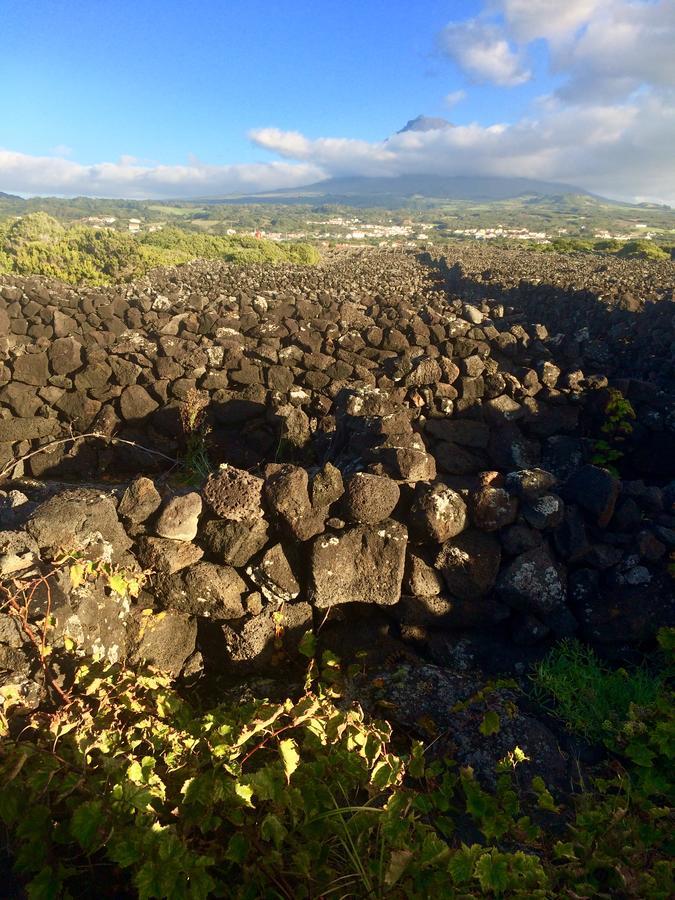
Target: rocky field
[440,466]
[402,439]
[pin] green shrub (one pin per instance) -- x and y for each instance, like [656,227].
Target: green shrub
[37,244]
[128,788]
[130,785]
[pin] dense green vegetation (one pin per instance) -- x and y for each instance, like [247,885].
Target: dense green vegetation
[133,791]
[633,249]
[38,244]
[564,217]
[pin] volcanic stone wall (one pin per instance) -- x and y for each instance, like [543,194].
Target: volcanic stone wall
[395,461]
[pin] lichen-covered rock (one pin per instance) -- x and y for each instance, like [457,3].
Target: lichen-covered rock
[361,565]
[530,484]
[469,564]
[533,582]
[97,622]
[438,513]
[545,512]
[493,508]
[274,576]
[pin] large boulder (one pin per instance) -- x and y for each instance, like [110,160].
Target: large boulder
[76,519]
[361,565]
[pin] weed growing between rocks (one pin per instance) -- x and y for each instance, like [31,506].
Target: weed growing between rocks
[195,427]
[131,789]
[619,414]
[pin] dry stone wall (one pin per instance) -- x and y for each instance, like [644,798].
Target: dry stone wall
[403,456]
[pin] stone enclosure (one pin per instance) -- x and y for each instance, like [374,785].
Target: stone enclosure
[402,453]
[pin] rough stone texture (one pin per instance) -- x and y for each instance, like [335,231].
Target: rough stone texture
[530,484]
[96,622]
[533,582]
[469,564]
[370,499]
[166,641]
[594,489]
[493,508]
[448,708]
[438,513]
[167,556]
[136,403]
[234,494]
[251,645]
[421,578]
[287,494]
[495,369]
[179,517]
[362,565]
[18,551]
[206,590]
[79,518]
[139,501]
[233,543]
[274,576]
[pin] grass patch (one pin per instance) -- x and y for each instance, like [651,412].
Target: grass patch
[592,700]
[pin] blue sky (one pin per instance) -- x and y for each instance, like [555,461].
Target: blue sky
[163,80]
[210,87]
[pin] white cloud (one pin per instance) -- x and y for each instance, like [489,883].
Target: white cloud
[454,97]
[625,46]
[25,174]
[482,51]
[554,20]
[623,150]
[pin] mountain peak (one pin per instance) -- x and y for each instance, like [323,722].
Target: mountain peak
[426,123]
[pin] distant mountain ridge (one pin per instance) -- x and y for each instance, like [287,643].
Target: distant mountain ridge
[363,190]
